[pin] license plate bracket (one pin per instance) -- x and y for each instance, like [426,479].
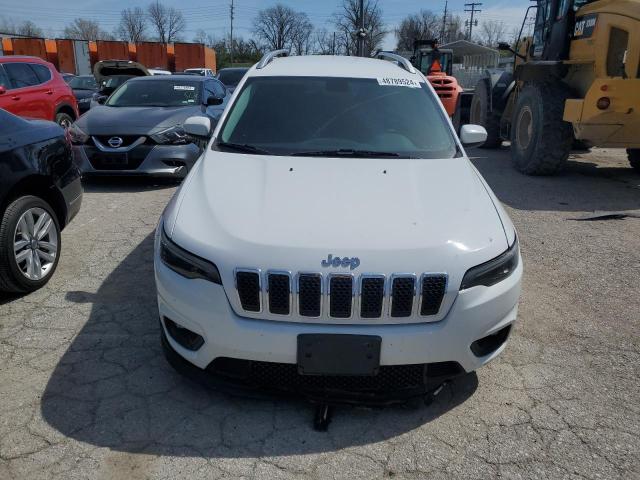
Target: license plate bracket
[338,354]
[113,159]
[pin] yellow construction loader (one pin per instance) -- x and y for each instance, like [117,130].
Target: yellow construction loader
[575,81]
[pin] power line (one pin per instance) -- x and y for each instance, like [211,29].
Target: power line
[473,10]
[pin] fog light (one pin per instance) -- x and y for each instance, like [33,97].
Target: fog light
[185,337]
[490,343]
[603,103]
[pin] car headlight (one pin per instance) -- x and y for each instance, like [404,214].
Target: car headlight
[78,137]
[186,264]
[493,271]
[84,100]
[173,135]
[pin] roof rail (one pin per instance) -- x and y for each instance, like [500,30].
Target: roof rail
[267,57]
[402,62]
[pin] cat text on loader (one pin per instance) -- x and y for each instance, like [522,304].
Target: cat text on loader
[436,65]
[577,80]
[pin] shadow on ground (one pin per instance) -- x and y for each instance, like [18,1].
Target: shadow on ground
[113,388]
[127,184]
[583,186]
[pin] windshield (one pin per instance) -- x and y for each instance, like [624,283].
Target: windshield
[83,83]
[159,93]
[306,115]
[231,78]
[115,81]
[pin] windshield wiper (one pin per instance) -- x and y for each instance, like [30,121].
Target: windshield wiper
[243,147]
[346,152]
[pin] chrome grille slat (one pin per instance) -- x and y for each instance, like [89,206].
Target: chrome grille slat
[340,295]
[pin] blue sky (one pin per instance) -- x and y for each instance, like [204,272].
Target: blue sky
[213,15]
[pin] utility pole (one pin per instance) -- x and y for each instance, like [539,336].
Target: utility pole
[444,22]
[361,31]
[473,10]
[333,45]
[231,36]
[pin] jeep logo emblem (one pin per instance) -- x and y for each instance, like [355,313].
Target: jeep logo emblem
[115,142]
[331,261]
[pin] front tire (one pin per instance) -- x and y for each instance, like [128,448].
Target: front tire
[480,114]
[30,244]
[540,139]
[634,158]
[64,120]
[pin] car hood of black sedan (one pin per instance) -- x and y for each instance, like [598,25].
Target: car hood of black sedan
[82,93]
[103,120]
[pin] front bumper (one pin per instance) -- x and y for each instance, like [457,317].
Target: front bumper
[203,308]
[158,161]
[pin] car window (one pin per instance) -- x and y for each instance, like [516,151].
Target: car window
[295,115]
[42,72]
[21,75]
[158,93]
[83,83]
[213,88]
[4,79]
[231,78]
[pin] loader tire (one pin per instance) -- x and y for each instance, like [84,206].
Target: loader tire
[480,114]
[634,158]
[540,139]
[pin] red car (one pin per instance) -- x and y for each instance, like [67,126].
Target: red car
[33,88]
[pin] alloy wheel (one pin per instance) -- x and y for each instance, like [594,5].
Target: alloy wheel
[35,244]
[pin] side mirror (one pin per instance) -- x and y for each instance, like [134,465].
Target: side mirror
[473,135]
[213,100]
[3,90]
[101,99]
[198,126]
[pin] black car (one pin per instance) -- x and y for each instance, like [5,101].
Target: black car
[138,130]
[231,77]
[83,86]
[40,192]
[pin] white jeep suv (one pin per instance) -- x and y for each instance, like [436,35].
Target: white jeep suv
[334,240]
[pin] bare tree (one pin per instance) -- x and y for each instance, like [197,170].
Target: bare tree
[492,32]
[454,29]
[133,24]
[301,39]
[26,28]
[168,22]
[423,25]
[324,42]
[347,22]
[85,29]
[276,26]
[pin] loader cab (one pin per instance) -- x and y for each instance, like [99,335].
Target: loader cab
[429,59]
[554,28]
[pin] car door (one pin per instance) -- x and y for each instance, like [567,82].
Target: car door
[47,90]
[26,95]
[215,88]
[5,96]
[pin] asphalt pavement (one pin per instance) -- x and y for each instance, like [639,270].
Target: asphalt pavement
[85,391]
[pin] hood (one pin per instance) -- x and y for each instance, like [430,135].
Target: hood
[395,215]
[81,93]
[102,120]
[106,68]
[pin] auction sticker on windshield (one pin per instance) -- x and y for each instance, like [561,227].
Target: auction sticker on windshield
[398,82]
[183,87]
